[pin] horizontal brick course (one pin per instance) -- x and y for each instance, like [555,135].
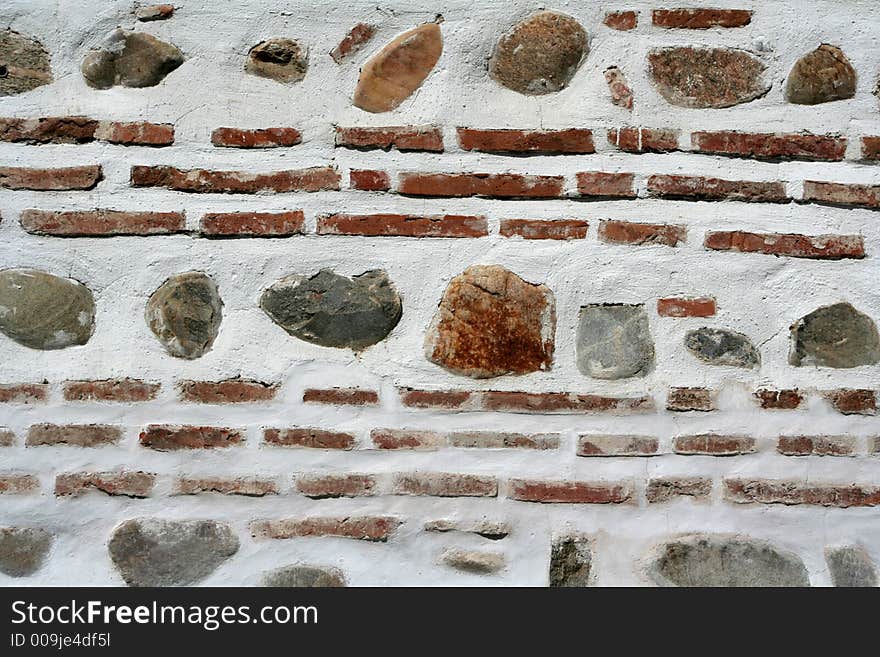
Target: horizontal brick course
[820,148]
[816,445]
[853,402]
[308,437]
[690,399]
[871,148]
[700,188]
[403,138]
[125,484]
[369,180]
[779,399]
[523,402]
[230,391]
[366,528]
[544,229]
[341,396]
[77,435]
[406,439]
[48,180]
[206,181]
[245,486]
[444,485]
[503,440]
[102,223]
[135,133]
[490,185]
[598,184]
[644,140]
[632,233]
[569,492]
[609,445]
[527,142]
[14,483]
[332,486]
[81,130]
[23,393]
[820,247]
[686,307]
[621,20]
[111,390]
[713,445]
[164,437]
[252,224]
[256,138]
[663,489]
[401,225]
[792,492]
[829,193]
[701,19]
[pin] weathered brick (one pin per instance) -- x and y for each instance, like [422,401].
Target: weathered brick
[369,180]
[490,185]
[308,437]
[769,491]
[330,486]
[402,225]
[230,391]
[853,402]
[816,445]
[252,224]
[111,390]
[779,399]
[561,402]
[700,188]
[137,133]
[48,130]
[436,399]
[13,483]
[23,393]
[126,484]
[686,307]
[205,181]
[443,484]
[569,492]
[713,445]
[627,232]
[621,93]
[246,486]
[101,223]
[644,140]
[403,138]
[341,396]
[662,489]
[608,445]
[257,138]
[352,42]
[621,20]
[700,19]
[829,193]
[166,437]
[819,247]
[406,439]
[497,440]
[524,142]
[871,148]
[544,229]
[42,180]
[770,146]
[494,531]
[367,528]
[606,185]
[690,399]
[79,435]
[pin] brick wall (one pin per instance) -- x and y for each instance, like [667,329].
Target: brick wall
[618,317]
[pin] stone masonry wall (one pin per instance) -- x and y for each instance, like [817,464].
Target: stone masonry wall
[464,293]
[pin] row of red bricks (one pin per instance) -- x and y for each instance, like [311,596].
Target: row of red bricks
[848,401]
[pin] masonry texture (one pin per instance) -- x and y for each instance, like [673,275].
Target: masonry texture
[581,294]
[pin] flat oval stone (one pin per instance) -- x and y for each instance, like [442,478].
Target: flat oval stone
[850,566]
[707,77]
[42,311]
[707,560]
[540,55]
[23,550]
[820,77]
[156,552]
[835,336]
[24,63]
[335,311]
[491,322]
[722,347]
[185,314]
[279,59]
[614,341]
[304,577]
[395,72]
[130,59]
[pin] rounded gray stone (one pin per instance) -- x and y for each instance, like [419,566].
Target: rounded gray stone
[130,59]
[43,311]
[722,347]
[335,311]
[24,63]
[279,59]
[614,341]
[850,566]
[304,577]
[157,552]
[571,561]
[23,550]
[185,314]
[835,336]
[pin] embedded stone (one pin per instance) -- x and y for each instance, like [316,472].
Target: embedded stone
[614,341]
[491,322]
[279,59]
[23,550]
[540,55]
[473,561]
[706,560]
[130,59]
[850,567]
[24,63]
[42,311]
[304,577]
[156,552]
[395,72]
[707,77]
[722,347]
[835,336]
[571,562]
[820,77]
[185,314]
[335,311]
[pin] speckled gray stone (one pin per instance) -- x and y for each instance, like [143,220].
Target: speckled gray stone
[722,347]
[304,577]
[24,63]
[835,336]
[130,59]
[614,341]
[571,561]
[185,314]
[850,566]
[23,550]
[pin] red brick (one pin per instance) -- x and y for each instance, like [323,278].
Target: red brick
[165,437]
[257,138]
[700,188]
[491,185]
[816,445]
[402,225]
[18,484]
[7,438]
[569,492]
[627,232]
[403,138]
[101,223]
[770,146]
[330,486]
[644,140]
[779,399]
[205,181]
[544,229]
[48,130]
[442,484]
[712,445]
[871,148]
[436,399]
[125,484]
[853,402]
[79,435]
[549,142]
[154,12]
[23,393]
[111,390]
[499,440]
[230,391]
[606,185]
[606,445]
[663,489]
[43,180]
[686,307]
[406,439]
[138,133]
[768,491]
[341,396]
[562,402]
[246,486]
[352,42]
[819,247]
[621,20]
[252,224]
[690,399]
[701,19]
[369,180]
[308,437]
[366,528]
[829,193]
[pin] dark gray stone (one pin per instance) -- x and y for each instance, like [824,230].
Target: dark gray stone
[130,59]
[334,311]
[722,347]
[42,311]
[571,562]
[279,59]
[185,314]
[850,567]
[614,341]
[156,552]
[24,63]
[304,577]
[23,550]
[835,336]
[821,76]
[706,560]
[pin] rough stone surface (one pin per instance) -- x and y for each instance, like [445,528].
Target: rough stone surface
[706,560]
[820,77]
[395,72]
[185,314]
[304,577]
[614,341]
[835,336]
[335,311]
[130,59]
[473,561]
[707,77]
[23,550]
[850,567]
[24,63]
[571,561]
[42,311]
[491,322]
[540,55]
[722,347]
[279,59]
[156,552]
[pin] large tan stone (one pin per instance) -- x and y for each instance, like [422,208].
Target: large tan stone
[24,63]
[820,77]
